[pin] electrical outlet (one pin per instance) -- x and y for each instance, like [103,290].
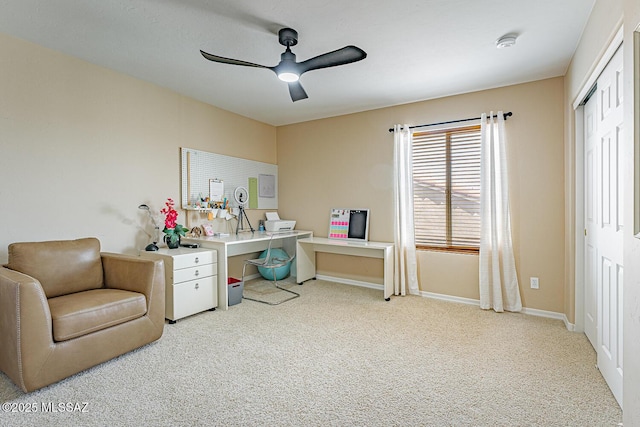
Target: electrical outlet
[535,282]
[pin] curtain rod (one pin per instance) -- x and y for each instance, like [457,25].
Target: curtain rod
[509,114]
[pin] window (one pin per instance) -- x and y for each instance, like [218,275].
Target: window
[446,189]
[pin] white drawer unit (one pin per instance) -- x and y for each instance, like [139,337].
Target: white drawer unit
[191,280]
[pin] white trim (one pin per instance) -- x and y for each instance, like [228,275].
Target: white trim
[550,315]
[570,326]
[253,276]
[451,298]
[579,223]
[527,311]
[350,282]
[636,132]
[601,64]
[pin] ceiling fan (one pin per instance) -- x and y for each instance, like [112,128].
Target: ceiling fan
[288,70]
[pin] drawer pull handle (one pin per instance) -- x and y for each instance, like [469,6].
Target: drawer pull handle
[197,260]
[197,273]
[197,286]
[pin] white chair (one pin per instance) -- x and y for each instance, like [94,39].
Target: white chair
[271,262]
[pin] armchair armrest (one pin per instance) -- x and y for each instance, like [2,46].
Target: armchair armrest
[130,273]
[26,336]
[135,274]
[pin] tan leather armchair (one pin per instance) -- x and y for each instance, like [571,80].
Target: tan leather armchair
[65,307]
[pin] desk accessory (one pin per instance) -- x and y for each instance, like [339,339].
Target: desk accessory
[352,224]
[156,230]
[241,195]
[274,223]
[208,229]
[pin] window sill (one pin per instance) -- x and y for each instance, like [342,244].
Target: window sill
[464,251]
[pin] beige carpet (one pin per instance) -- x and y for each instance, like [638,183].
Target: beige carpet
[339,356]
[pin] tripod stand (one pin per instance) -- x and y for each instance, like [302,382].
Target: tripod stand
[241,216]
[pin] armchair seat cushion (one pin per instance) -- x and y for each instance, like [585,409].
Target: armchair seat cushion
[82,313]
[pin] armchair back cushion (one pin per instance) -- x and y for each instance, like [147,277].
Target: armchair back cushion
[61,267]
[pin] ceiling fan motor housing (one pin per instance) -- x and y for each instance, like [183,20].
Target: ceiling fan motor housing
[288,37]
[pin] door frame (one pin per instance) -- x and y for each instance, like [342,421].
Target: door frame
[579,208]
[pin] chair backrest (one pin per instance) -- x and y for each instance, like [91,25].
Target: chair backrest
[62,267]
[270,259]
[267,256]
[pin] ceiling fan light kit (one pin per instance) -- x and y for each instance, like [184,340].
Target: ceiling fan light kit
[288,77]
[288,70]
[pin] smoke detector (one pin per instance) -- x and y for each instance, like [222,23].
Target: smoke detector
[506,41]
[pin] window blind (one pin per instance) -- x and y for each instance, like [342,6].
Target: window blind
[446,179]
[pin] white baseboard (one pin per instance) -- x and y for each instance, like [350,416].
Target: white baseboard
[552,315]
[529,311]
[350,282]
[451,298]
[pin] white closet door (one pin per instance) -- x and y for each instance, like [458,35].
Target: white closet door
[604,223]
[590,196]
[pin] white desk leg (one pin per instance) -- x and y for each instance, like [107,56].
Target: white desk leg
[388,273]
[306,262]
[223,301]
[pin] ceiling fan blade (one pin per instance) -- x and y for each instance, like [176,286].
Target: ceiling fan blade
[342,56]
[223,60]
[297,91]
[288,69]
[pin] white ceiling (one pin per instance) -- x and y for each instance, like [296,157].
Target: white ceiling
[417,49]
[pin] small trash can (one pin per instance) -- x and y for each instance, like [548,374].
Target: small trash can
[234,290]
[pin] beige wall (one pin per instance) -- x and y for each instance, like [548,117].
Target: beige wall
[346,161]
[81,147]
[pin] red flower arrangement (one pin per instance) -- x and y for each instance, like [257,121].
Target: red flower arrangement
[172,229]
[171,215]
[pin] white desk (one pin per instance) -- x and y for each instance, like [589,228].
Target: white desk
[243,243]
[307,248]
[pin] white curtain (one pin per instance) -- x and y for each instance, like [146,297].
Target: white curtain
[406,265]
[498,278]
